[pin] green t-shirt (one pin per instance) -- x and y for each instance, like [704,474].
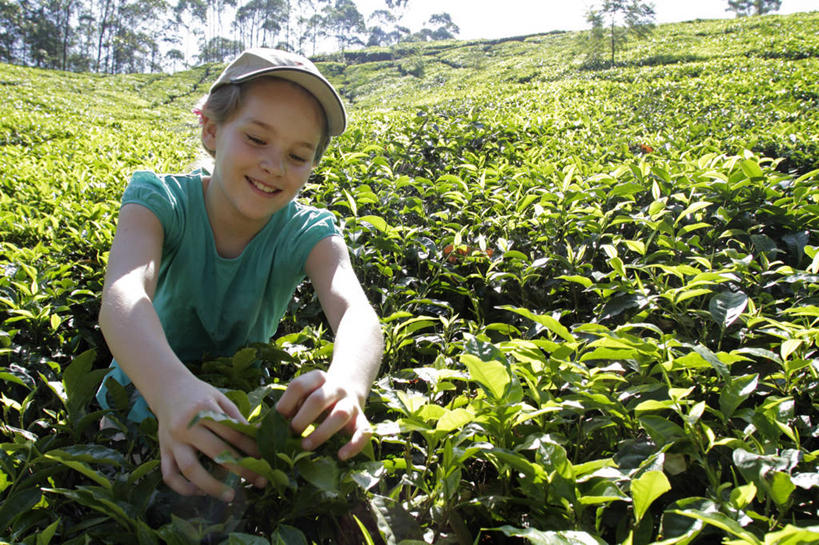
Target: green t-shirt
[209,305]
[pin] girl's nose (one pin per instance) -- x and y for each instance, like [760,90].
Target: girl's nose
[273,163]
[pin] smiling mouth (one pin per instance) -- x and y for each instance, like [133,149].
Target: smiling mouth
[262,187]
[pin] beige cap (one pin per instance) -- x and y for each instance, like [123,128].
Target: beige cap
[262,61]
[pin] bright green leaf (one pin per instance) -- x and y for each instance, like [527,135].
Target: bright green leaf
[493,376]
[647,488]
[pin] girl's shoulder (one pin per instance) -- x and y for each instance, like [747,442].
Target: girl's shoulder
[170,197]
[174,188]
[307,215]
[167,180]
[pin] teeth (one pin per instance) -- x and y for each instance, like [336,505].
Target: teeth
[262,187]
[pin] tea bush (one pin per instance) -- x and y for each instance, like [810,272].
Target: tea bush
[598,290]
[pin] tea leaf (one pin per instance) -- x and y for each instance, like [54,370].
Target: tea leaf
[546,321]
[222,419]
[794,535]
[492,375]
[323,473]
[272,436]
[287,535]
[86,470]
[395,524]
[781,487]
[647,488]
[17,504]
[45,537]
[368,540]
[81,382]
[541,537]
[453,420]
[245,539]
[736,392]
[720,521]
[727,306]
[742,496]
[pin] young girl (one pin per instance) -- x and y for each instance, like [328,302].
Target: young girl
[204,264]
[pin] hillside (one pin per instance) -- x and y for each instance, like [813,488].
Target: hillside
[599,289]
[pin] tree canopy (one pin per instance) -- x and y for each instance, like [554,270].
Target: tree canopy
[612,21]
[753,7]
[116,36]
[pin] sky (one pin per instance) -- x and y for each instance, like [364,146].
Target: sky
[490,19]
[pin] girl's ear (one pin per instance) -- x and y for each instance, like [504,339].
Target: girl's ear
[209,129]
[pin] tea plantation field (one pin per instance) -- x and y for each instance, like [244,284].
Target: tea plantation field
[599,288]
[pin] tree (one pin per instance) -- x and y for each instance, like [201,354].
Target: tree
[259,21]
[11,17]
[208,15]
[385,29]
[306,24]
[445,29]
[219,49]
[315,29]
[41,33]
[621,18]
[758,7]
[345,23]
[175,57]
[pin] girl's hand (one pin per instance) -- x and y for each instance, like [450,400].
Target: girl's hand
[316,393]
[181,444]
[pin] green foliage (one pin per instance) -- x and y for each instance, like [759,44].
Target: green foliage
[598,291]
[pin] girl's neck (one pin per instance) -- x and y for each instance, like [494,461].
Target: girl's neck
[231,235]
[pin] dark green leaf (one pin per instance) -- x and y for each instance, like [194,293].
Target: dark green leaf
[714,361]
[662,430]
[17,504]
[395,524]
[287,535]
[726,306]
[81,382]
[323,473]
[246,539]
[736,392]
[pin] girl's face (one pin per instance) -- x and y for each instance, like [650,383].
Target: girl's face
[264,152]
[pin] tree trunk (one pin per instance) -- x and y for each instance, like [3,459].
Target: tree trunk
[66,29]
[612,42]
[103,28]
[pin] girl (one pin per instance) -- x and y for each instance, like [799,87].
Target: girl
[208,263]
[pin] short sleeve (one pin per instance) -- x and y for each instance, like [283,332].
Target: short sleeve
[164,197]
[311,226]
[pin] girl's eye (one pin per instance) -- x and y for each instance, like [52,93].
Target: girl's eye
[298,158]
[255,140]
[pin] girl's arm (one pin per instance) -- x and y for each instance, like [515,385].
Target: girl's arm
[134,334]
[342,391]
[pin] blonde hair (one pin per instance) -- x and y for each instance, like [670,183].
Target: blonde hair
[220,105]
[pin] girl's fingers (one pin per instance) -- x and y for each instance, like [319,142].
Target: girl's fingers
[361,436]
[209,443]
[340,416]
[230,408]
[172,477]
[245,443]
[238,439]
[298,391]
[184,458]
